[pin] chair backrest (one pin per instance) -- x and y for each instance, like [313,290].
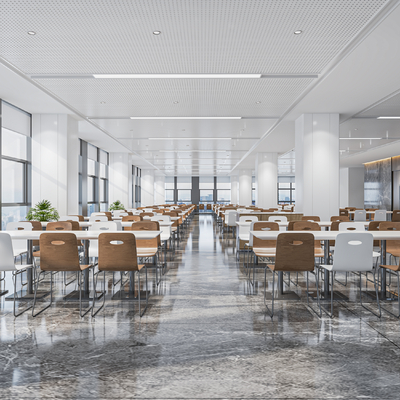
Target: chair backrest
[396,216]
[294,252]
[19,226]
[249,218]
[147,214]
[201,206]
[58,252]
[389,226]
[122,214]
[161,218]
[312,218]
[343,212]
[374,226]
[148,209]
[360,215]
[232,218]
[263,226]
[117,252]
[351,226]
[350,208]
[7,262]
[353,251]
[104,226]
[277,218]
[80,217]
[308,226]
[98,218]
[341,218]
[59,226]
[97,213]
[380,215]
[69,218]
[132,218]
[146,226]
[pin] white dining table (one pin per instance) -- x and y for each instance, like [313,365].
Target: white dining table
[80,235]
[327,236]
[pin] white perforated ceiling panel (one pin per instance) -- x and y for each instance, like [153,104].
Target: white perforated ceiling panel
[208,36]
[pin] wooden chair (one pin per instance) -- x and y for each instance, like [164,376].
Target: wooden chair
[310,226]
[294,253]
[340,218]
[147,248]
[392,246]
[343,212]
[132,218]
[58,252]
[147,214]
[56,226]
[396,216]
[312,218]
[117,253]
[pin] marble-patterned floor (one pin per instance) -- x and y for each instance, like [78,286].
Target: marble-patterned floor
[206,335]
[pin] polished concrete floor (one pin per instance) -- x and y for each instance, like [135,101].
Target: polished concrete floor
[206,335]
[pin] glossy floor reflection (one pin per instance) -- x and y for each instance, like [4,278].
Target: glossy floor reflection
[206,335]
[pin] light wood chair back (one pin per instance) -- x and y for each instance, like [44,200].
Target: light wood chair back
[392,246]
[60,226]
[132,218]
[310,218]
[341,218]
[343,212]
[146,226]
[396,216]
[58,252]
[264,226]
[374,226]
[294,252]
[117,252]
[308,226]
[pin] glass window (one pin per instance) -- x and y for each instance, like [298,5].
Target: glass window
[284,196]
[169,195]
[103,170]
[169,182]
[91,208]
[102,190]
[92,152]
[206,182]
[286,189]
[13,182]
[184,196]
[184,182]
[13,144]
[13,214]
[206,195]
[90,187]
[223,196]
[91,167]
[15,119]
[103,157]
[223,182]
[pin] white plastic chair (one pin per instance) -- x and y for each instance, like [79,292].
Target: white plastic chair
[380,215]
[97,213]
[353,253]
[7,263]
[232,221]
[277,218]
[19,246]
[351,226]
[243,232]
[360,215]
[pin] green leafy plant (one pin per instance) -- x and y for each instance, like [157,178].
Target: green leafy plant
[43,211]
[117,205]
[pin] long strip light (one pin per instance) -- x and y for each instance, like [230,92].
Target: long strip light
[193,151]
[185,117]
[176,76]
[189,138]
[388,118]
[361,138]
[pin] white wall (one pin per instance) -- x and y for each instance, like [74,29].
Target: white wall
[55,161]
[147,184]
[245,179]
[344,187]
[159,189]
[317,164]
[120,178]
[234,189]
[266,177]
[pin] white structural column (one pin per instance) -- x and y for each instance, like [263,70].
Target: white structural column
[147,184]
[159,189]
[245,187]
[317,165]
[235,189]
[55,161]
[120,179]
[266,180]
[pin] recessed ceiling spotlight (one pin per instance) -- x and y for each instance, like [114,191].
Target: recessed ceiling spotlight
[176,102]
[156,33]
[298,32]
[31,33]
[102,102]
[258,102]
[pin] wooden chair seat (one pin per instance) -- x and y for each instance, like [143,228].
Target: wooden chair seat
[391,267]
[264,252]
[146,252]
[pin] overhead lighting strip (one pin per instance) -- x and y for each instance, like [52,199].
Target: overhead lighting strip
[388,118]
[189,138]
[185,117]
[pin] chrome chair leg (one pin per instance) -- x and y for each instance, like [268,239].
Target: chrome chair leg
[95,277]
[51,295]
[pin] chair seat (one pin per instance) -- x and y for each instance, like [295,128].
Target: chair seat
[146,252]
[36,253]
[394,252]
[245,237]
[264,251]
[332,268]
[272,268]
[376,254]
[319,253]
[18,252]
[17,267]
[391,267]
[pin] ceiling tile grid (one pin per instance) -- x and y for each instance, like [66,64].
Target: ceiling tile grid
[195,97]
[197,36]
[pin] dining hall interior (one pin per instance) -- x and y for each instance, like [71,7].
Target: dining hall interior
[199,199]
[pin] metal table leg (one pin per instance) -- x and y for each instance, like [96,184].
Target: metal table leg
[383,294]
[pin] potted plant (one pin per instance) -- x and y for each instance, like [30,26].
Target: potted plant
[117,205]
[43,211]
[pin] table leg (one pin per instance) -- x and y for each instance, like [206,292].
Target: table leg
[326,272]
[29,272]
[86,271]
[383,270]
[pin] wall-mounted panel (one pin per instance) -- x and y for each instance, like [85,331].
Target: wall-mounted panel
[378,184]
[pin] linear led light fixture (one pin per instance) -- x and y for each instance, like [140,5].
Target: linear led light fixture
[388,118]
[177,76]
[192,138]
[185,117]
[361,138]
[193,151]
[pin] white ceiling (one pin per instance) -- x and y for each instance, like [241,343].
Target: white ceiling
[344,43]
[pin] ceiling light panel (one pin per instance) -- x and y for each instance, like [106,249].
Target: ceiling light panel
[225,36]
[197,97]
[386,108]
